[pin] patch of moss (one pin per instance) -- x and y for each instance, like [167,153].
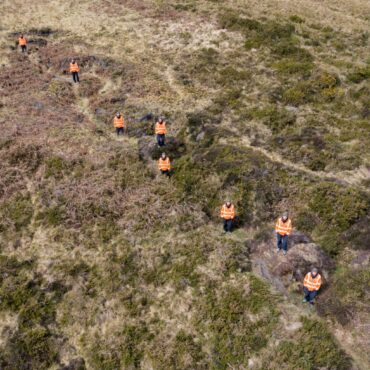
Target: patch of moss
[61,90]
[182,352]
[274,118]
[359,74]
[226,312]
[296,19]
[52,216]
[59,167]
[127,352]
[17,212]
[337,209]
[26,156]
[347,292]
[313,348]
[33,345]
[291,66]
[34,348]
[233,21]
[337,206]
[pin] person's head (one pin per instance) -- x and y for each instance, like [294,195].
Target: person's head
[285,216]
[160,120]
[21,36]
[314,272]
[73,61]
[118,114]
[228,203]
[163,156]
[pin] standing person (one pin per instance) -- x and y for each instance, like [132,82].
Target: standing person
[228,215]
[283,229]
[119,123]
[164,165]
[74,69]
[161,131]
[311,285]
[22,42]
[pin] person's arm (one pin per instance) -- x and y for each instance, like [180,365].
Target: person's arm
[305,281]
[290,228]
[277,226]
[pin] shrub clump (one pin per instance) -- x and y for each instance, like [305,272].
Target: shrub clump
[228,311]
[359,74]
[274,118]
[16,213]
[313,348]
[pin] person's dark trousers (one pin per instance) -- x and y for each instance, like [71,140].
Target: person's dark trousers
[119,131]
[160,139]
[24,48]
[167,173]
[228,225]
[282,241]
[309,295]
[75,77]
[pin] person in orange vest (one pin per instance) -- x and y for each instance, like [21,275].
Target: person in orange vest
[228,215]
[74,69]
[164,165]
[22,42]
[311,285]
[283,229]
[119,123]
[160,131]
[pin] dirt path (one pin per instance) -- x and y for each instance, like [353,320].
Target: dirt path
[349,178]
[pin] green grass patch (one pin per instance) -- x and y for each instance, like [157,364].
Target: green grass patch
[226,311]
[313,348]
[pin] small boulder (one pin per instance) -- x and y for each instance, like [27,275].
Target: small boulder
[75,364]
[288,272]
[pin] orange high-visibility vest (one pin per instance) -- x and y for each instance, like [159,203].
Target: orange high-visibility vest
[228,213]
[73,67]
[283,228]
[160,128]
[312,283]
[119,122]
[22,41]
[164,164]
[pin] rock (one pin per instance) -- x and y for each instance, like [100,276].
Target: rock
[299,238]
[148,148]
[200,136]
[75,364]
[290,108]
[38,105]
[100,111]
[287,272]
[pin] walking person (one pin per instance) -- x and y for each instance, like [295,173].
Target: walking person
[164,165]
[74,69]
[119,123]
[283,229]
[228,216]
[161,131]
[22,42]
[311,286]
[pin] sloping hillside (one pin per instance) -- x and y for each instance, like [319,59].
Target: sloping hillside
[105,264]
